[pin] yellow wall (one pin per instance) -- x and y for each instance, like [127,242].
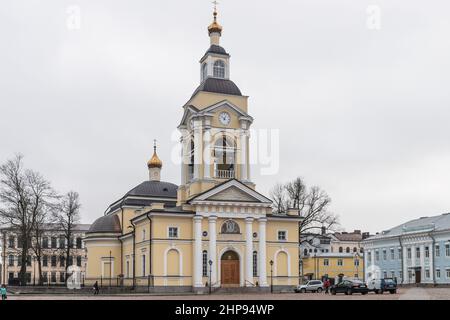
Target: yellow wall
[316,268]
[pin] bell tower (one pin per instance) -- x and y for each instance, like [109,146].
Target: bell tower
[215,125]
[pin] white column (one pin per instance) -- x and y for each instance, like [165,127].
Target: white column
[262,253]
[405,265]
[207,155]
[248,252]
[212,249]
[198,252]
[243,159]
[430,259]
[422,263]
[198,155]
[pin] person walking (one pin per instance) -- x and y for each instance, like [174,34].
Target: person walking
[327,285]
[3,292]
[96,288]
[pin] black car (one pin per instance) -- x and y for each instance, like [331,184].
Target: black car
[350,287]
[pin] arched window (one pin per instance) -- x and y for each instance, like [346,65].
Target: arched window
[347,249]
[341,250]
[205,263]
[204,71]
[355,249]
[219,69]
[191,160]
[305,252]
[255,263]
[230,227]
[224,157]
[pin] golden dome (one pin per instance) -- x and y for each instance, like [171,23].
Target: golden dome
[215,27]
[154,162]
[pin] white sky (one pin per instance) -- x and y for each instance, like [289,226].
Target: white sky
[362,113]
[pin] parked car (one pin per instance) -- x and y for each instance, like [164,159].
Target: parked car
[379,286]
[350,287]
[310,286]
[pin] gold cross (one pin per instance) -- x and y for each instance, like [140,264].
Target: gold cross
[154,144]
[215,3]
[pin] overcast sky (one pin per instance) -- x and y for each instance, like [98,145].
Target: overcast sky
[363,112]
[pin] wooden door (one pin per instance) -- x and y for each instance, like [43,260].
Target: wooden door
[418,276]
[230,272]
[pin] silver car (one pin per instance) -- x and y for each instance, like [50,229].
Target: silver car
[310,286]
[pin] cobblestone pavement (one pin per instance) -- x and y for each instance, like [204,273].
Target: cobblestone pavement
[403,294]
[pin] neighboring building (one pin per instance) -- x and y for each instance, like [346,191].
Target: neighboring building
[348,242]
[417,251]
[53,257]
[215,224]
[318,261]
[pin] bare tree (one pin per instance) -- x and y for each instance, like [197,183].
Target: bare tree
[67,216]
[312,203]
[24,197]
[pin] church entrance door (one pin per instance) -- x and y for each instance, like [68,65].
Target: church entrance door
[230,269]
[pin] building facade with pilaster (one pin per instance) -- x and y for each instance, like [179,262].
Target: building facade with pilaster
[212,229]
[416,252]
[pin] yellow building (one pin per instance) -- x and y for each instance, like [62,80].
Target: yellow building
[333,266]
[215,227]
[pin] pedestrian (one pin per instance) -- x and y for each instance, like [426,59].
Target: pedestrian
[327,286]
[3,292]
[96,288]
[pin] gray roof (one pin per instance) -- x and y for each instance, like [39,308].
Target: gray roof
[81,227]
[435,223]
[106,224]
[217,50]
[219,86]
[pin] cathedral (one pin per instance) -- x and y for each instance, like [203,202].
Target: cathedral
[214,230]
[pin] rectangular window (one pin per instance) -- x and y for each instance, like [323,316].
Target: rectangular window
[173,232]
[53,263]
[377,255]
[356,262]
[70,262]
[392,274]
[53,243]
[384,274]
[384,255]
[45,261]
[79,243]
[427,252]
[78,261]
[326,262]
[28,277]
[62,277]
[45,276]
[340,262]
[438,273]
[205,263]
[438,251]
[11,260]
[255,264]
[143,265]
[447,273]
[409,253]
[427,273]
[62,242]
[282,235]
[447,250]
[45,243]
[53,275]
[392,254]
[369,256]
[417,253]
[400,253]
[28,261]
[62,261]
[12,242]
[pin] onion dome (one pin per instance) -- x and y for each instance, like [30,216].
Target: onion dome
[215,27]
[154,162]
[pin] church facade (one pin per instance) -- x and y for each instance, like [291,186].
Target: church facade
[214,228]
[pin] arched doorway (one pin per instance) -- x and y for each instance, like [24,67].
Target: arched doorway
[229,266]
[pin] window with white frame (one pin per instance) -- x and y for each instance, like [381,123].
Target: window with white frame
[392,254]
[219,69]
[384,255]
[204,71]
[205,263]
[427,273]
[438,251]
[384,274]
[326,262]
[392,274]
[173,232]
[427,252]
[447,272]
[340,262]
[417,252]
[369,256]
[400,253]
[409,253]
[447,250]
[377,255]
[255,263]
[356,262]
[282,235]
[438,273]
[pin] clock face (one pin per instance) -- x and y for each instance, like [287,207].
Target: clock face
[224,118]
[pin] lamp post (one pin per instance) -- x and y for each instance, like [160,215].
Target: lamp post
[210,271]
[271,276]
[357,264]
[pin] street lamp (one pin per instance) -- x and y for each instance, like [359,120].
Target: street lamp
[271,276]
[356,264]
[210,270]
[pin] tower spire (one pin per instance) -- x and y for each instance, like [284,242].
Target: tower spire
[215,29]
[154,165]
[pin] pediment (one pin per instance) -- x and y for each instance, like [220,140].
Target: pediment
[232,191]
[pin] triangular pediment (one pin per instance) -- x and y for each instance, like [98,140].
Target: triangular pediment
[232,191]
